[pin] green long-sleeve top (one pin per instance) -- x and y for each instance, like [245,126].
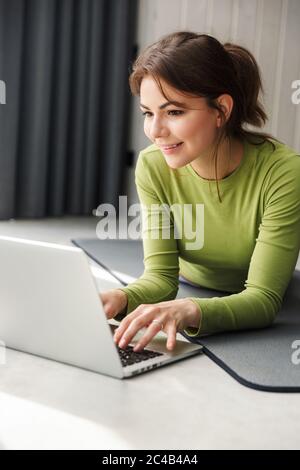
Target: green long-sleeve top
[248,244]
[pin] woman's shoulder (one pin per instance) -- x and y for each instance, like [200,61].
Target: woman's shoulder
[274,159]
[274,151]
[152,155]
[151,160]
[279,168]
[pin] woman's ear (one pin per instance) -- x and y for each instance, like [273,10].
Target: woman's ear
[226,103]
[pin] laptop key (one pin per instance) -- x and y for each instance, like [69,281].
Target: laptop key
[129,357]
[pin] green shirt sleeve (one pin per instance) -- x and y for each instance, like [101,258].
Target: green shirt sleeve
[159,281]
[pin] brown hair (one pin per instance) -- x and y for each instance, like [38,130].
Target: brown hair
[199,65]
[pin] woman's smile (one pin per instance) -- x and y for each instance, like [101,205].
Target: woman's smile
[171,149]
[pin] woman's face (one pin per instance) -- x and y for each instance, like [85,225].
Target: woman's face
[193,126]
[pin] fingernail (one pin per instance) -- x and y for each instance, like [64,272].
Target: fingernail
[122,343]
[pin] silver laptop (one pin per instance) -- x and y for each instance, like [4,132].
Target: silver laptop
[50,306]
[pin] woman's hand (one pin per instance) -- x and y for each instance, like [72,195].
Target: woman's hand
[114,301]
[174,315]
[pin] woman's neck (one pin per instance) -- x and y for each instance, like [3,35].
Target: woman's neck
[229,158]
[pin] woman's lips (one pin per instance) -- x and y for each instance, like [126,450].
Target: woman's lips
[170,149]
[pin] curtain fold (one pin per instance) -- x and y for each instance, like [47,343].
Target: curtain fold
[64,128]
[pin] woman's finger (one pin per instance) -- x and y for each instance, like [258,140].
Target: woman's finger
[125,323]
[132,331]
[171,332]
[152,330]
[170,328]
[139,322]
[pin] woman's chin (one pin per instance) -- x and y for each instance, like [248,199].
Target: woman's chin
[175,164]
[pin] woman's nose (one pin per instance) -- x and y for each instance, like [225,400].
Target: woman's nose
[158,129]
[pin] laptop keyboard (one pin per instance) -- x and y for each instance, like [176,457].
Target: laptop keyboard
[129,356]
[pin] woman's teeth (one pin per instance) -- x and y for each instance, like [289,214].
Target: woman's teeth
[172,146]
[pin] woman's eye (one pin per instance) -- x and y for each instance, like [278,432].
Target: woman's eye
[175,112]
[171,113]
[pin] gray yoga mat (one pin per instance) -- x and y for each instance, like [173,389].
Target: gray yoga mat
[263,359]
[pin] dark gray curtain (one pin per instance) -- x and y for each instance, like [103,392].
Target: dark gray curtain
[64,128]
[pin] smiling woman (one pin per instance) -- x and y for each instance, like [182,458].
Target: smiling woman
[197,96]
[188,133]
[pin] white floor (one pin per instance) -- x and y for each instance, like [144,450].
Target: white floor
[62,230]
[57,230]
[48,405]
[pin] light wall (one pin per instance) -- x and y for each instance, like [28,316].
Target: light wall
[270,29]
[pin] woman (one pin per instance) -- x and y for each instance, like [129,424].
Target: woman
[197,96]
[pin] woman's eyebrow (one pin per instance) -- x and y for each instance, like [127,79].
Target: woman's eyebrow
[168,103]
